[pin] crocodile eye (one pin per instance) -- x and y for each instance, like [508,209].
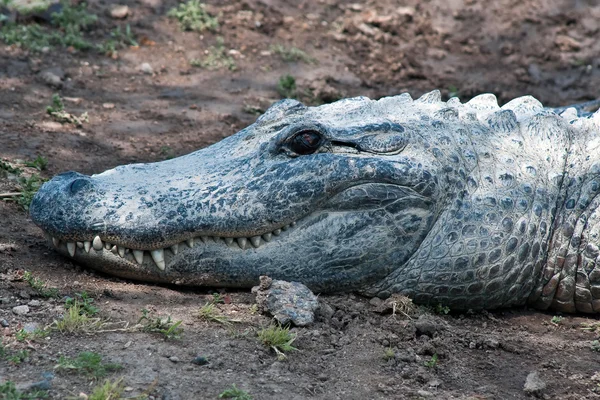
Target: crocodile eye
[306,142]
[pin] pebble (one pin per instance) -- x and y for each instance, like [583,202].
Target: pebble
[534,385]
[174,359]
[426,326]
[4,323]
[34,303]
[119,12]
[20,310]
[424,393]
[200,360]
[31,327]
[53,77]
[325,311]
[108,106]
[146,68]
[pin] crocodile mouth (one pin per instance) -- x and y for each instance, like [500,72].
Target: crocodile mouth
[160,256]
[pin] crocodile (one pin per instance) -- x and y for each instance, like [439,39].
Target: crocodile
[472,205]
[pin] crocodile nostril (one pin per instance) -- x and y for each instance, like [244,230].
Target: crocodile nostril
[79,184]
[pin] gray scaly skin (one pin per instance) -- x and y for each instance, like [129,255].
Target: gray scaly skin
[470,205]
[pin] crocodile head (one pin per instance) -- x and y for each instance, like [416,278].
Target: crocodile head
[335,196]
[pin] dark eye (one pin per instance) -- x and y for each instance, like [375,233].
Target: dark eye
[306,142]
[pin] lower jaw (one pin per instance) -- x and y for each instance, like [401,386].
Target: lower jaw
[157,259]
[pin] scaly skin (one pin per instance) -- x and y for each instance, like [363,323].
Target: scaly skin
[470,205]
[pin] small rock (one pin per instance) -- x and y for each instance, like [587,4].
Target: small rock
[424,393]
[146,69]
[108,106]
[53,77]
[426,326]
[325,311]
[534,384]
[200,360]
[174,359]
[30,327]
[119,12]
[406,356]
[323,377]
[376,302]
[34,303]
[286,301]
[492,343]
[24,295]
[4,323]
[20,310]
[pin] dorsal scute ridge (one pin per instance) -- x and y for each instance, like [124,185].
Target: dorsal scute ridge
[484,102]
[433,97]
[524,106]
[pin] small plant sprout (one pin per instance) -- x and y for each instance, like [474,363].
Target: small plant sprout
[57,111]
[40,163]
[165,326]
[192,16]
[432,363]
[286,86]
[216,58]
[389,354]
[39,285]
[278,338]
[77,320]
[235,393]
[84,302]
[292,54]
[209,312]
[87,363]
[557,320]
[109,390]
[595,345]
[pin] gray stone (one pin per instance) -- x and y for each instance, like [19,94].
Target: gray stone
[34,303]
[20,310]
[146,68]
[426,325]
[53,77]
[534,385]
[286,301]
[4,323]
[119,11]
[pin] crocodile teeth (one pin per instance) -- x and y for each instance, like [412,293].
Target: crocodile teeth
[159,258]
[277,232]
[114,249]
[139,256]
[175,248]
[293,223]
[242,242]
[87,246]
[121,251]
[190,243]
[267,237]
[71,248]
[97,243]
[80,245]
[285,227]
[55,242]
[107,245]
[204,238]
[228,240]
[255,240]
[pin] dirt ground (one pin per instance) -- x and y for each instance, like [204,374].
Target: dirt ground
[550,49]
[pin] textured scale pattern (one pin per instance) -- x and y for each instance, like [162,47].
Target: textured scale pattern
[471,205]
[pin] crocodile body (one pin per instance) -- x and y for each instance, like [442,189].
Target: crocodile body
[470,205]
